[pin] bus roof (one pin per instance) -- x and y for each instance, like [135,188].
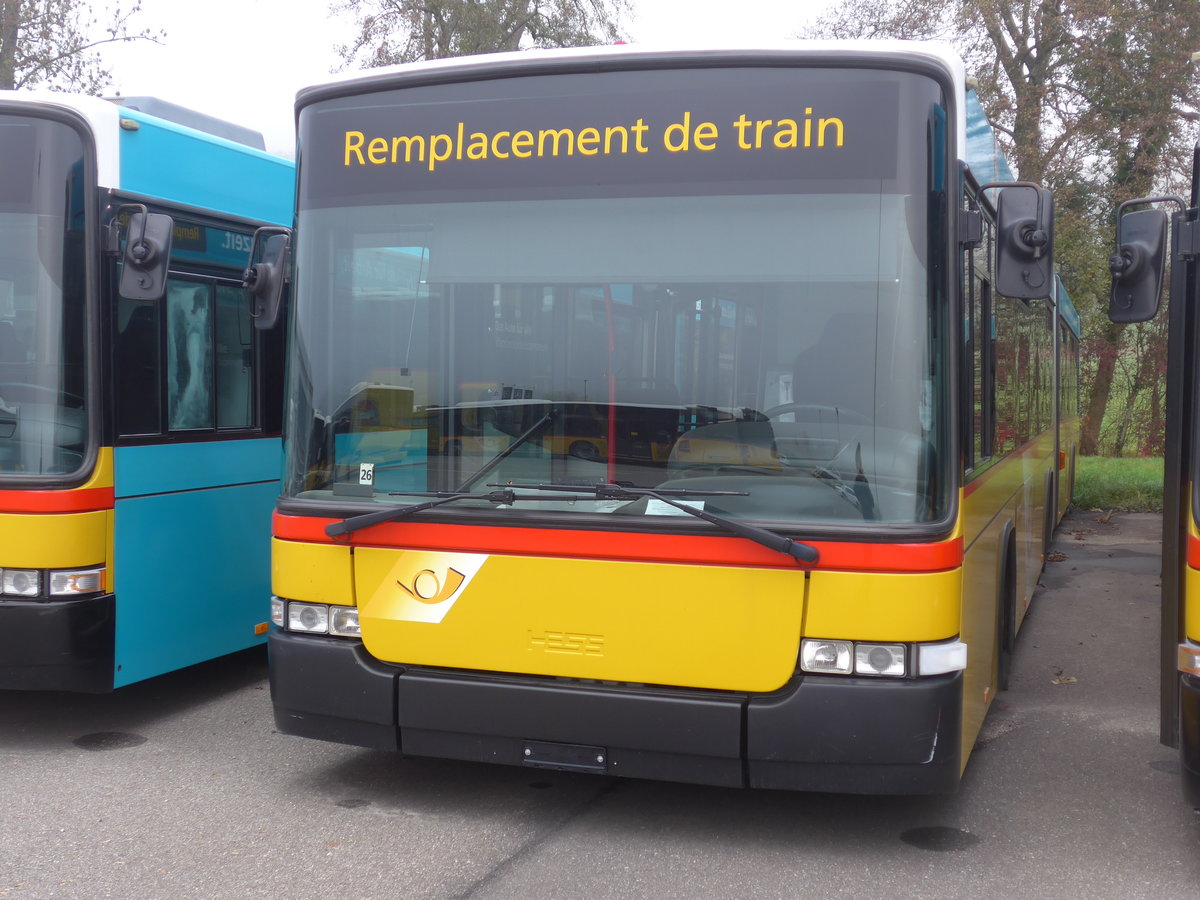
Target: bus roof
[936,53]
[141,153]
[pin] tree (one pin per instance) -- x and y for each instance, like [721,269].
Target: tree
[52,43]
[396,31]
[1090,97]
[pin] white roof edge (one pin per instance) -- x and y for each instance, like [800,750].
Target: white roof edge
[934,51]
[102,117]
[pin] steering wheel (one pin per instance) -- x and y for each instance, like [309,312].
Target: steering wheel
[20,387]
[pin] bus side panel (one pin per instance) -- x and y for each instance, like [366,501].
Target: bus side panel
[981,571]
[191,566]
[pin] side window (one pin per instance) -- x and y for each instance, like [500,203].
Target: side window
[978,353]
[136,368]
[186,364]
[189,356]
[235,359]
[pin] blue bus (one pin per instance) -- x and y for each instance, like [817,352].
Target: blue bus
[139,406]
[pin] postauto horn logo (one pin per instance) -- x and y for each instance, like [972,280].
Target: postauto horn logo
[425,585]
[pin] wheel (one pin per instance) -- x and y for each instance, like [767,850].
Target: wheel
[584,450]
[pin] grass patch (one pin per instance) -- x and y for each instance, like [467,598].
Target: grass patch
[1130,485]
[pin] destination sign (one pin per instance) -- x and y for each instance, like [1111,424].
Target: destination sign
[618,129]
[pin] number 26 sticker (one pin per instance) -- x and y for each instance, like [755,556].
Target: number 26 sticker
[366,473]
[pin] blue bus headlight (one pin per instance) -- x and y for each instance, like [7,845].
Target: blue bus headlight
[21,582]
[73,582]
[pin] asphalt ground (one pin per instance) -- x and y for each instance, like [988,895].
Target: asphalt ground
[179,787]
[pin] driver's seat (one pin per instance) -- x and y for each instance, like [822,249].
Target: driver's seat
[835,371]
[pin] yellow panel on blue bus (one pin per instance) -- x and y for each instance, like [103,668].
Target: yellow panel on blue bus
[867,606]
[54,540]
[729,628]
[318,573]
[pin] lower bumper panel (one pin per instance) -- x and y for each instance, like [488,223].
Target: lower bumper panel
[818,734]
[1189,738]
[57,645]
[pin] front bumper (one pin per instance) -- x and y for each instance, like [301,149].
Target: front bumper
[819,733]
[1189,737]
[57,645]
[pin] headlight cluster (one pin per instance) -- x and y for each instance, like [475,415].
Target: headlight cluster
[51,583]
[1189,658]
[829,657]
[315,618]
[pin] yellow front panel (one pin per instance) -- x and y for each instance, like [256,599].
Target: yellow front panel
[696,626]
[863,606]
[54,540]
[318,573]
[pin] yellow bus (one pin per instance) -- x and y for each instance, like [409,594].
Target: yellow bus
[856,356]
[1138,267]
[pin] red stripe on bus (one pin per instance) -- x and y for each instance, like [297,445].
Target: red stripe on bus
[1020,452]
[1193,551]
[938,556]
[86,500]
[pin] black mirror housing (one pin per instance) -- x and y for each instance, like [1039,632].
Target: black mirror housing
[1137,266]
[1025,242]
[147,253]
[264,280]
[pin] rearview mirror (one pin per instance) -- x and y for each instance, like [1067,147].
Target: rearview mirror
[1025,241]
[264,280]
[147,253]
[1137,266]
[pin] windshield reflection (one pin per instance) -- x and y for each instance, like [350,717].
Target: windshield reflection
[43,358]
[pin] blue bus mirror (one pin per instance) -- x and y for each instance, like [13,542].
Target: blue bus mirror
[266,276]
[147,252]
[1025,241]
[1137,266]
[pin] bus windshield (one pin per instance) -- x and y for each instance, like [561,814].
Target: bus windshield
[757,329]
[43,354]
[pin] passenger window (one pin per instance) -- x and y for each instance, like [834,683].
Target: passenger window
[136,368]
[235,360]
[189,356]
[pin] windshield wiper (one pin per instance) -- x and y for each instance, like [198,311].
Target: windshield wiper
[354,523]
[521,439]
[803,553]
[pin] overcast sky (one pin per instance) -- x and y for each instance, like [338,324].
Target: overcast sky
[244,60]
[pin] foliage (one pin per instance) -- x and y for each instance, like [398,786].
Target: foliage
[1097,99]
[1130,485]
[396,31]
[52,43]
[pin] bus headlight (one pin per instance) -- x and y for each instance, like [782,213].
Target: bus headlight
[882,660]
[1189,659]
[835,657]
[312,618]
[879,659]
[21,582]
[315,618]
[73,582]
[938,659]
[343,621]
